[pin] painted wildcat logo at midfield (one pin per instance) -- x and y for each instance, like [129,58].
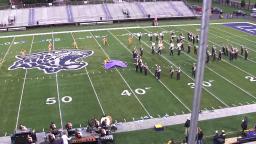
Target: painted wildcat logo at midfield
[54,61]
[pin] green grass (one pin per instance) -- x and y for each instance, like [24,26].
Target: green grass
[229,85]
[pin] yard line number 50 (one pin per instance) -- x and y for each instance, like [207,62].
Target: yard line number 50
[52,100]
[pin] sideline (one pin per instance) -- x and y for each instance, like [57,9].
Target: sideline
[103,29]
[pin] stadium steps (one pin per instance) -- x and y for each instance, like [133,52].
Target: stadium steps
[107,12]
[31,17]
[175,8]
[142,9]
[69,13]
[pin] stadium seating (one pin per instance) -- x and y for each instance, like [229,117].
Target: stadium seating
[93,13]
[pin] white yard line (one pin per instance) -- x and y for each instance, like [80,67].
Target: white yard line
[119,28]
[229,33]
[123,78]
[91,83]
[236,44]
[216,97]
[57,87]
[6,53]
[248,93]
[225,60]
[153,74]
[22,90]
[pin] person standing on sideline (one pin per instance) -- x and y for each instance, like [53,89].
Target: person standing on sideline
[216,137]
[200,136]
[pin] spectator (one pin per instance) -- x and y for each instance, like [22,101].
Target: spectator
[244,125]
[171,142]
[200,135]
[65,138]
[78,135]
[216,137]
[22,127]
[29,139]
[51,138]
[69,126]
[53,129]
[222,135]
[187,123]
[52,126]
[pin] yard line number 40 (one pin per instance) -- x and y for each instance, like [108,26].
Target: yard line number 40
[139,91]
[52,100]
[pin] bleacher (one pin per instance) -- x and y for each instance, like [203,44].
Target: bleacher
[68,14]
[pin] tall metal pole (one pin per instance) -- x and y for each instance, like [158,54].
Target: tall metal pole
[200,71]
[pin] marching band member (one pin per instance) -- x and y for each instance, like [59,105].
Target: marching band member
[50,47]
[105,41]
[75,45]
[23,53]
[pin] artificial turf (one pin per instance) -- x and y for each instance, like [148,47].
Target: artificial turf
[96,91]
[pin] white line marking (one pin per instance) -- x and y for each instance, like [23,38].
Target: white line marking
[22,90]
[91,82]
[248,93]
[189,76]
[1,64]
[236,44]
[123,78]
[57,86]
[225,60]
[153,74]
[234,35]
[103,29]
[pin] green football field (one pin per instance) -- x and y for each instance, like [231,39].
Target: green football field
[33,98]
